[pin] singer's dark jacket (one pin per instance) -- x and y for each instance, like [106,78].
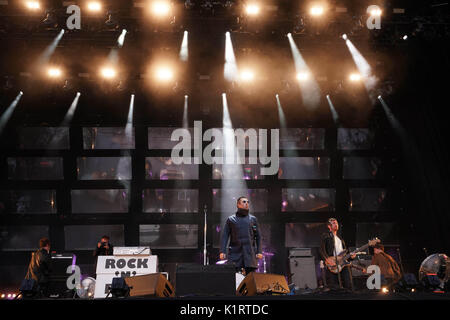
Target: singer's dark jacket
[327,245]
[244,235]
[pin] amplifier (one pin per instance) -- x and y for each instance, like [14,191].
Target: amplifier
[58,276]
[132,251]
[300,252]
[303,270]
[362,261]
[60,262]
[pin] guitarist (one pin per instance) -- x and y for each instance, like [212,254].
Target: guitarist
[388,266]
[331,246]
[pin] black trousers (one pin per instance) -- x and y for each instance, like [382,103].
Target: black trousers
[333,279]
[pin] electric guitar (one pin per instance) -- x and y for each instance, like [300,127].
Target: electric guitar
[337,266]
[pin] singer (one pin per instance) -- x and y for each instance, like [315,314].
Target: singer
[245,239]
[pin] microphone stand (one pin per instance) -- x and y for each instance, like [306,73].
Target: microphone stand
[336,260]
[400,260]
[337,267]
[204,238]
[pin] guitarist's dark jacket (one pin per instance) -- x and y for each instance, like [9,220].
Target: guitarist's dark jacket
[327,245]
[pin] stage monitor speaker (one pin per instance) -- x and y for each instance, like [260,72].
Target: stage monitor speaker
[263,284]
[303,272]
[154,284]
[211,280]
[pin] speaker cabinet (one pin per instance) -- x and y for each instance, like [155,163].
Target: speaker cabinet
[211,280]
[263,284]
[303,270]
[154,284]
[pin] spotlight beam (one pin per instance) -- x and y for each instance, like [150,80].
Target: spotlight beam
[121,39]
[393,121]
[230,69]
[334,113]
[69,115]
[281,115]
[130,111]
[9,111]
[113,56]
[230,188]
[370,81]
[48,52]
[122,164]
[129,125]
[409,147]
[310,89]
[185,113]
[184,54]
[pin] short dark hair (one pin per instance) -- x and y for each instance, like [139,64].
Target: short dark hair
[43,242]
[105,237]
[330,221]
[239,199]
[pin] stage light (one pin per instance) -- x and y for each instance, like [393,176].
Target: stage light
[108,73]
[316,11]
[355,77]
[230,70]
[160,8]
[375,12]
[33,5]
[405,37]
[94,6]
[3,296]
[252,9]
[54,72]
[121,38]
[184,53]
[344,36]
[384,290]
[302,76]
[164,74]
[247,75]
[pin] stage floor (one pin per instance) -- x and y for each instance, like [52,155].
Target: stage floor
[359,296]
